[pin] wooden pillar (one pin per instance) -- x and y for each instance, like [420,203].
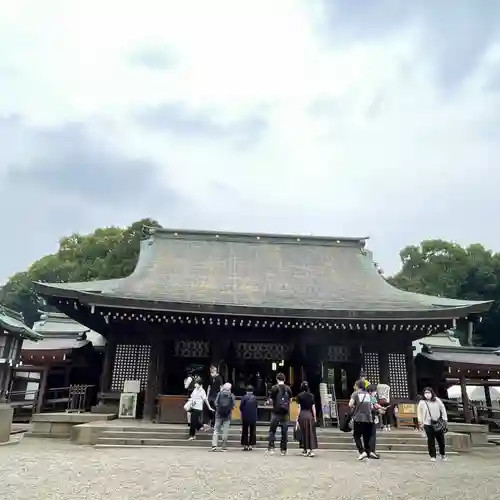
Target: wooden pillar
[155,374]
[384,366]
[42,389]
[470,331]
[412,373]
[465,400]
[487,396]
[107,368]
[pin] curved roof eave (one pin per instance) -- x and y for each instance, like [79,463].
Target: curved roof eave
[439,313]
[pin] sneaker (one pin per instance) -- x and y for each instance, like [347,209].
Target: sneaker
[310,454]
[214,448]
[374,455]
[250,448]
[303,453]
[245,448]
[433,459]
[191,438]
[444,458]
[223,448]
[270,451]
[283,453]
[362,456]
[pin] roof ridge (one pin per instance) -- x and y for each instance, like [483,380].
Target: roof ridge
[152,232]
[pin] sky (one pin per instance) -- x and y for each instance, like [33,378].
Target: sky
[336,118]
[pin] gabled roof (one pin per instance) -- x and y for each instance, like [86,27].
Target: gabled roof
[261,274]
[61,333]
[13,322]
[463,356]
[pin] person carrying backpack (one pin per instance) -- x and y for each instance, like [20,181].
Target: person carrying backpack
[281,397]
[224,404]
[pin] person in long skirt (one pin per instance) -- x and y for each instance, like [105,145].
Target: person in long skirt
[429,411]
[306,421]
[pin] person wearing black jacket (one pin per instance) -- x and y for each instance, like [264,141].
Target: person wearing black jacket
[281,397]
[248,409]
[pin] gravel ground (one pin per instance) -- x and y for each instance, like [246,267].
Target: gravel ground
[38,469]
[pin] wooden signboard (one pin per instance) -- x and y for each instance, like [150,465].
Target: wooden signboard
[406,413]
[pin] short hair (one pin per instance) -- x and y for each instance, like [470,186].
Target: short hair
[250,388]
[431,390]
[213,367]
[197,380]
[304,386]
[372,388]
[281,377]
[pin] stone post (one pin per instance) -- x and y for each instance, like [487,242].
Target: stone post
[6,413]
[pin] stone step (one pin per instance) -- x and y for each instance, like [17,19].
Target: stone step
[385,438]
[233,443]
[292,451]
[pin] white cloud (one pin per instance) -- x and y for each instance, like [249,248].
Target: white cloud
[360,137]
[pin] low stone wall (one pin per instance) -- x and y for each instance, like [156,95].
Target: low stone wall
[59,425]
[457,442]
[477,433]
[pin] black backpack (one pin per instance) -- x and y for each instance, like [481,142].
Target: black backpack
[224,404]
[283,399]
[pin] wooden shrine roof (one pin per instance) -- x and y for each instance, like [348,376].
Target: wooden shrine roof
[260,274]
[460,356]
[13,322]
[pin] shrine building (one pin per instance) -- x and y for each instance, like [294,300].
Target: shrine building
[314,308]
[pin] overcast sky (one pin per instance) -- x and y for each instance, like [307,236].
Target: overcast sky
[343,118]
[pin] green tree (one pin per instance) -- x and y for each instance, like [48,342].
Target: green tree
[104,254]
[438,267]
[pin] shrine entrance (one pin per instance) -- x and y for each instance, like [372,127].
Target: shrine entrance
[258,363]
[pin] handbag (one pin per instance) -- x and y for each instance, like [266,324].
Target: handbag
[439,425]
[347,423]
[297,433]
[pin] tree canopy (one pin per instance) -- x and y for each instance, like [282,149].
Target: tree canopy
[104,254]
[438,267]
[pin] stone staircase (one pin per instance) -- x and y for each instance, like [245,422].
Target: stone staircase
[329,439]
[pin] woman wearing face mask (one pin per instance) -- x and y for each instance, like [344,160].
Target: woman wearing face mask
[430,410]
[196,400]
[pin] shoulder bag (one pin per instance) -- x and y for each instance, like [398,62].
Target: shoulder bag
[439,425]
[347,423]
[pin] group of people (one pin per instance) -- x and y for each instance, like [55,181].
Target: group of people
[368,405]
[220,402]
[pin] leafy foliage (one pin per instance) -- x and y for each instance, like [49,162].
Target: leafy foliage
[104,254]
[445,269]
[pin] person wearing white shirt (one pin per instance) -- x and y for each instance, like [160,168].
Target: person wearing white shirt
[429,411]
[196,401]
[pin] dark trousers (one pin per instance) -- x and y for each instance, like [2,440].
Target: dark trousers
[432,437]
[248,433]
[386,416]
[282,421]
[210,415]
[373,439]
[196,422]
[362,435]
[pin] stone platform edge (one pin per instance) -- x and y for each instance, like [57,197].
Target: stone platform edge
[59,425]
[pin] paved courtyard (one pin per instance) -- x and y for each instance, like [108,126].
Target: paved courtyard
[39,469]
